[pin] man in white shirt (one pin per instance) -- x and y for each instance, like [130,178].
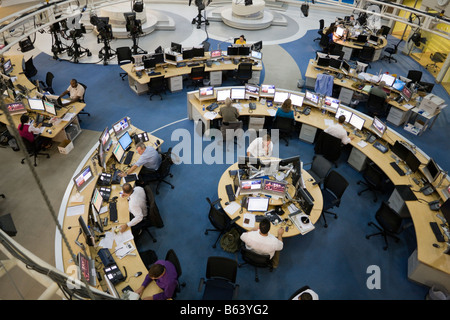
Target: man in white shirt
[75,91]
[137,205]
[260,241]
[260,147]
[338,131]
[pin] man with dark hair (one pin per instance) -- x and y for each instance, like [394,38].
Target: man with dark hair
[75,91]
[338,131]
[165,275]
[262,242]
[137,206]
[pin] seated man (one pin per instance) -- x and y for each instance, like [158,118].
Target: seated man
[149,160]
[75,91]
[137,206]
[378,90]
[165,276]
[260,241]
[260,147]
[228,112]
[338,131]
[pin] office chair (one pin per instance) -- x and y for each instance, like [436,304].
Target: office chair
[83,100]
[285,126]
[298,291]
[30,70]
[366,54]
[148,257]
[34,150]
[163,171]
[156,86]
[436,57]
[244,72]
[414,75]
[329,146]
[320,31]
[152,208]
[124,56]
[391,51]
[255,260]
[374,180]
[384,31]
[237,131]
[324,43]
[219,219]
[390,224]
[334,187]
[172,257]
[256,123]
[320,167]
[220,283]
[197,75]
[48,84]
[376,106]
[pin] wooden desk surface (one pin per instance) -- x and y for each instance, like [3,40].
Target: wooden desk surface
[314,190]
[70,225]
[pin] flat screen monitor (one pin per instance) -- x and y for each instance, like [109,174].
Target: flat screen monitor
[198,51]
[345,67]
[251,186]
[323,61]
[36,104]
[244,51]
[83,178]
[296,99]
[170,58]
[280,96]
[105,139]
[331,103]
[257,46]
[251,90]
[7,67]
[335,63]
[398,84]
[431,171]
[216,54]
[256,204]
[406,93]
[159,57]
[188,54]
[238,93]
[340,31]
[125,141]
[311,97]
[267,90]
[205,93]
[388,79]
[232,51]
[86,232]
[373,38]
[378,127]
[175,47]
[357,122]
[343,112]
[16,108]
[400,150]
[274,187]
[445,209]
[121,126]
[97,200]
[149,63]
[118,152]
[50,108]
[256,55]
[361,38]
[222,94]
[412,161]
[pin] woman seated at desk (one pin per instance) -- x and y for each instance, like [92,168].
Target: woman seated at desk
[285,110]
[31,133]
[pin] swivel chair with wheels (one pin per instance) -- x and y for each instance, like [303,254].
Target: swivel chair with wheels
[157,86]
[390,224]
[255,260]
[197,75]
[124,56]
[162,173]
[172,257]
[230,131]
[320,167]
[334,187]
[285,126]
[366,55]
[244,72]
[436,57]
[30,70]
[391,51]
[320,31]
[83,99]
[48,84]
[374,180]
[220,283]
[33,150]
[219,219]
[376,106]
[329,146]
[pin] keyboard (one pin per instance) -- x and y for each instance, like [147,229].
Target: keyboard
[128,158]
[380,147]
[212,106]
[230,192]
[397,168]
[194,64]
[150,74]
[113,211]
[437,232]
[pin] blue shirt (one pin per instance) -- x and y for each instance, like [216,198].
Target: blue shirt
[281,113]
[150,159]
[168,282]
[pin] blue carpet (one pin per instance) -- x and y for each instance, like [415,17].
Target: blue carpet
[334,261]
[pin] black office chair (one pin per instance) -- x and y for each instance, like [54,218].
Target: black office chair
[34,150]
[83,100]
[173,258]
[376,106]
[298,291]
[414,75]
[219,219]
[255,260]
[30,70]
[334,187]
[48,84]
[237,131]
[329,146]
[324,43]
[124,56]
[374,180]
[320,167]
[320,31]
[197,75]
[244,72]
[157,86]
[384,31]
[390,224]
[153,218]
[220,283]
[391,51]
[436,57]
[285,126]
[366,54]
[163,171]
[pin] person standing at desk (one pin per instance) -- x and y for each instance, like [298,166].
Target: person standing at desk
[260,241]
[337,130]
[75,91]
[149,160]
[165,275]
[285,110]
[260,147]
[228,112]
[137,206]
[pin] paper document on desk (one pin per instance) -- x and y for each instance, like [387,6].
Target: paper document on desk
[249,220]
[210,115]
[272,112]
[121,238]
[75,210]
[408,106]
[124,249]
[227,62]
[362,143]
[107,241]
[232,208]
[68,116]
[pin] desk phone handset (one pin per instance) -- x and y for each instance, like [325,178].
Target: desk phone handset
[140,137]
[244,204]
[307,111]
[370,138]
[427,189]
[252,105]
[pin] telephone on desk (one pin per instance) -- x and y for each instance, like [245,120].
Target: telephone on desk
[252,106]
[307,111]
[370,138]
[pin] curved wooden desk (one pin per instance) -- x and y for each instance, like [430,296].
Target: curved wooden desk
[70,224]
[314,190]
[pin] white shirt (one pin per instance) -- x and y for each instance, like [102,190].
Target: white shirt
[338,131]
[137,205]
[256,148]
[261,244]
[76,92]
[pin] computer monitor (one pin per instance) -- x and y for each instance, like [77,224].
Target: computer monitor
[431,171]
[232,51]
[343,112]
[406,93]
[357,122]
[335,63]
[296,99]
[198,51]
[7,67]
[373,39]
[206,93]
[125,141]
[118,152]
[306,200]
[36,104]
[121,126]
[16,108]
[159,57]
[244,51]
[280,96]
[83,178]
[361,38]
[97,200]
[398,84]
[273,187]
[223,94]
[340,31]
[257,46]
[445,210]
[400,150]
[188,54]
[257,204]
[412,161]
[216,54]
[50,108]
[256,55]
[251,186]
[175,47]
[170,58]
[388,79]
[88,236]
[267,91]
[331,103]
[149,63]
[378,127]
[323,61]
[311,97]
[296,171]
[345,67]
[237,94]
[251,91]
[105,139]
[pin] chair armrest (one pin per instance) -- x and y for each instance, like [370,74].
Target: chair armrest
[200,285]
[236,292]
